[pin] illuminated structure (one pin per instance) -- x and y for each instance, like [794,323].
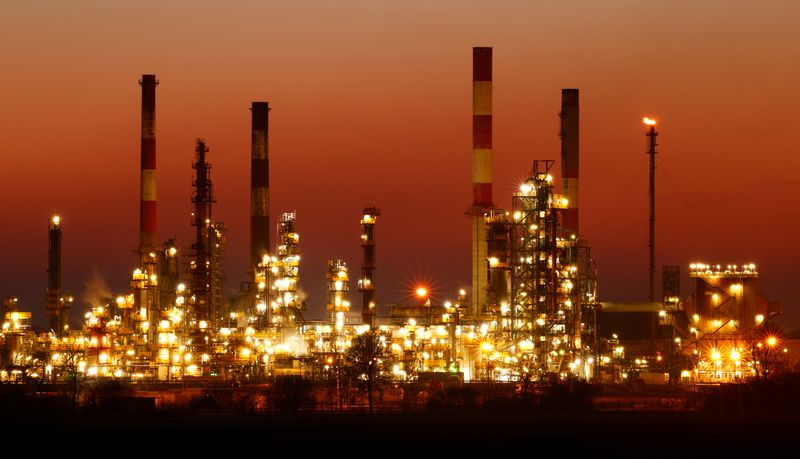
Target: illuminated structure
[16,340]
[530,316]
[206,270]
[727,313]
[541,288]
[547,301]
[498,237]
[334,337]
[277,301]
[287,304]
[216,259]
[366,285]
[200,267]
[168,273]
[144,287]
[538,296]
[338,289]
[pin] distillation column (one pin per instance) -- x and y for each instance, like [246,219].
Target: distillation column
[201,268]
[498,232]
[338,304]
[288,270]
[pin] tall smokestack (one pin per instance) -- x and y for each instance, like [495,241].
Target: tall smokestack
[570,156]
[367,282]
[259,183]
[147,210]
[54,276]
[481,171]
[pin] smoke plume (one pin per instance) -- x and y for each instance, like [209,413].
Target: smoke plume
[95,290]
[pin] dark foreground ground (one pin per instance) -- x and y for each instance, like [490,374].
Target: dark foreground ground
[560,421]
[405,435]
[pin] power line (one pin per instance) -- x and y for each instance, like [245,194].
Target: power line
[691,212]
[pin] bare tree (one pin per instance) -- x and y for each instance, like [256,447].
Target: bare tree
[71,354]
[367,358]
[526,370]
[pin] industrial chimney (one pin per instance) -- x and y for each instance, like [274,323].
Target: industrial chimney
[481,171]
[259,183]
[147,210]
[366,285]
[53,307]
[570,157]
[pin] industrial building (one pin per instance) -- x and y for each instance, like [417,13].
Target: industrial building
[532,312]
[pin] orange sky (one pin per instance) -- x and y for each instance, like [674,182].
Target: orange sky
[371,104]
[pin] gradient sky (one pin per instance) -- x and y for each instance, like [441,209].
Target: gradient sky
[372,104]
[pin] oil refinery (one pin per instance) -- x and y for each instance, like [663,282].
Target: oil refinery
[531,316]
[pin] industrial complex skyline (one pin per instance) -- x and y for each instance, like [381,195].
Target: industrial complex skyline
[443,223]
[357,122]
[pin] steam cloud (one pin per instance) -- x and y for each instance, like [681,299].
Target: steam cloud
[95,290]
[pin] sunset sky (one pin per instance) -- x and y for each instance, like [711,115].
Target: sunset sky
[371,103]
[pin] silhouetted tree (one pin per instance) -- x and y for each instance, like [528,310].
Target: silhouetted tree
[367,358]
[526,369]
[71,355]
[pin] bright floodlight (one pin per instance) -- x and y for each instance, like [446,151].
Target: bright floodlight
[422,292]
[649,121]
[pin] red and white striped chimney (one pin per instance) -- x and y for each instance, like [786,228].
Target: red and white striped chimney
[481,170]
[147,210]
[482,128]
[570,156]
